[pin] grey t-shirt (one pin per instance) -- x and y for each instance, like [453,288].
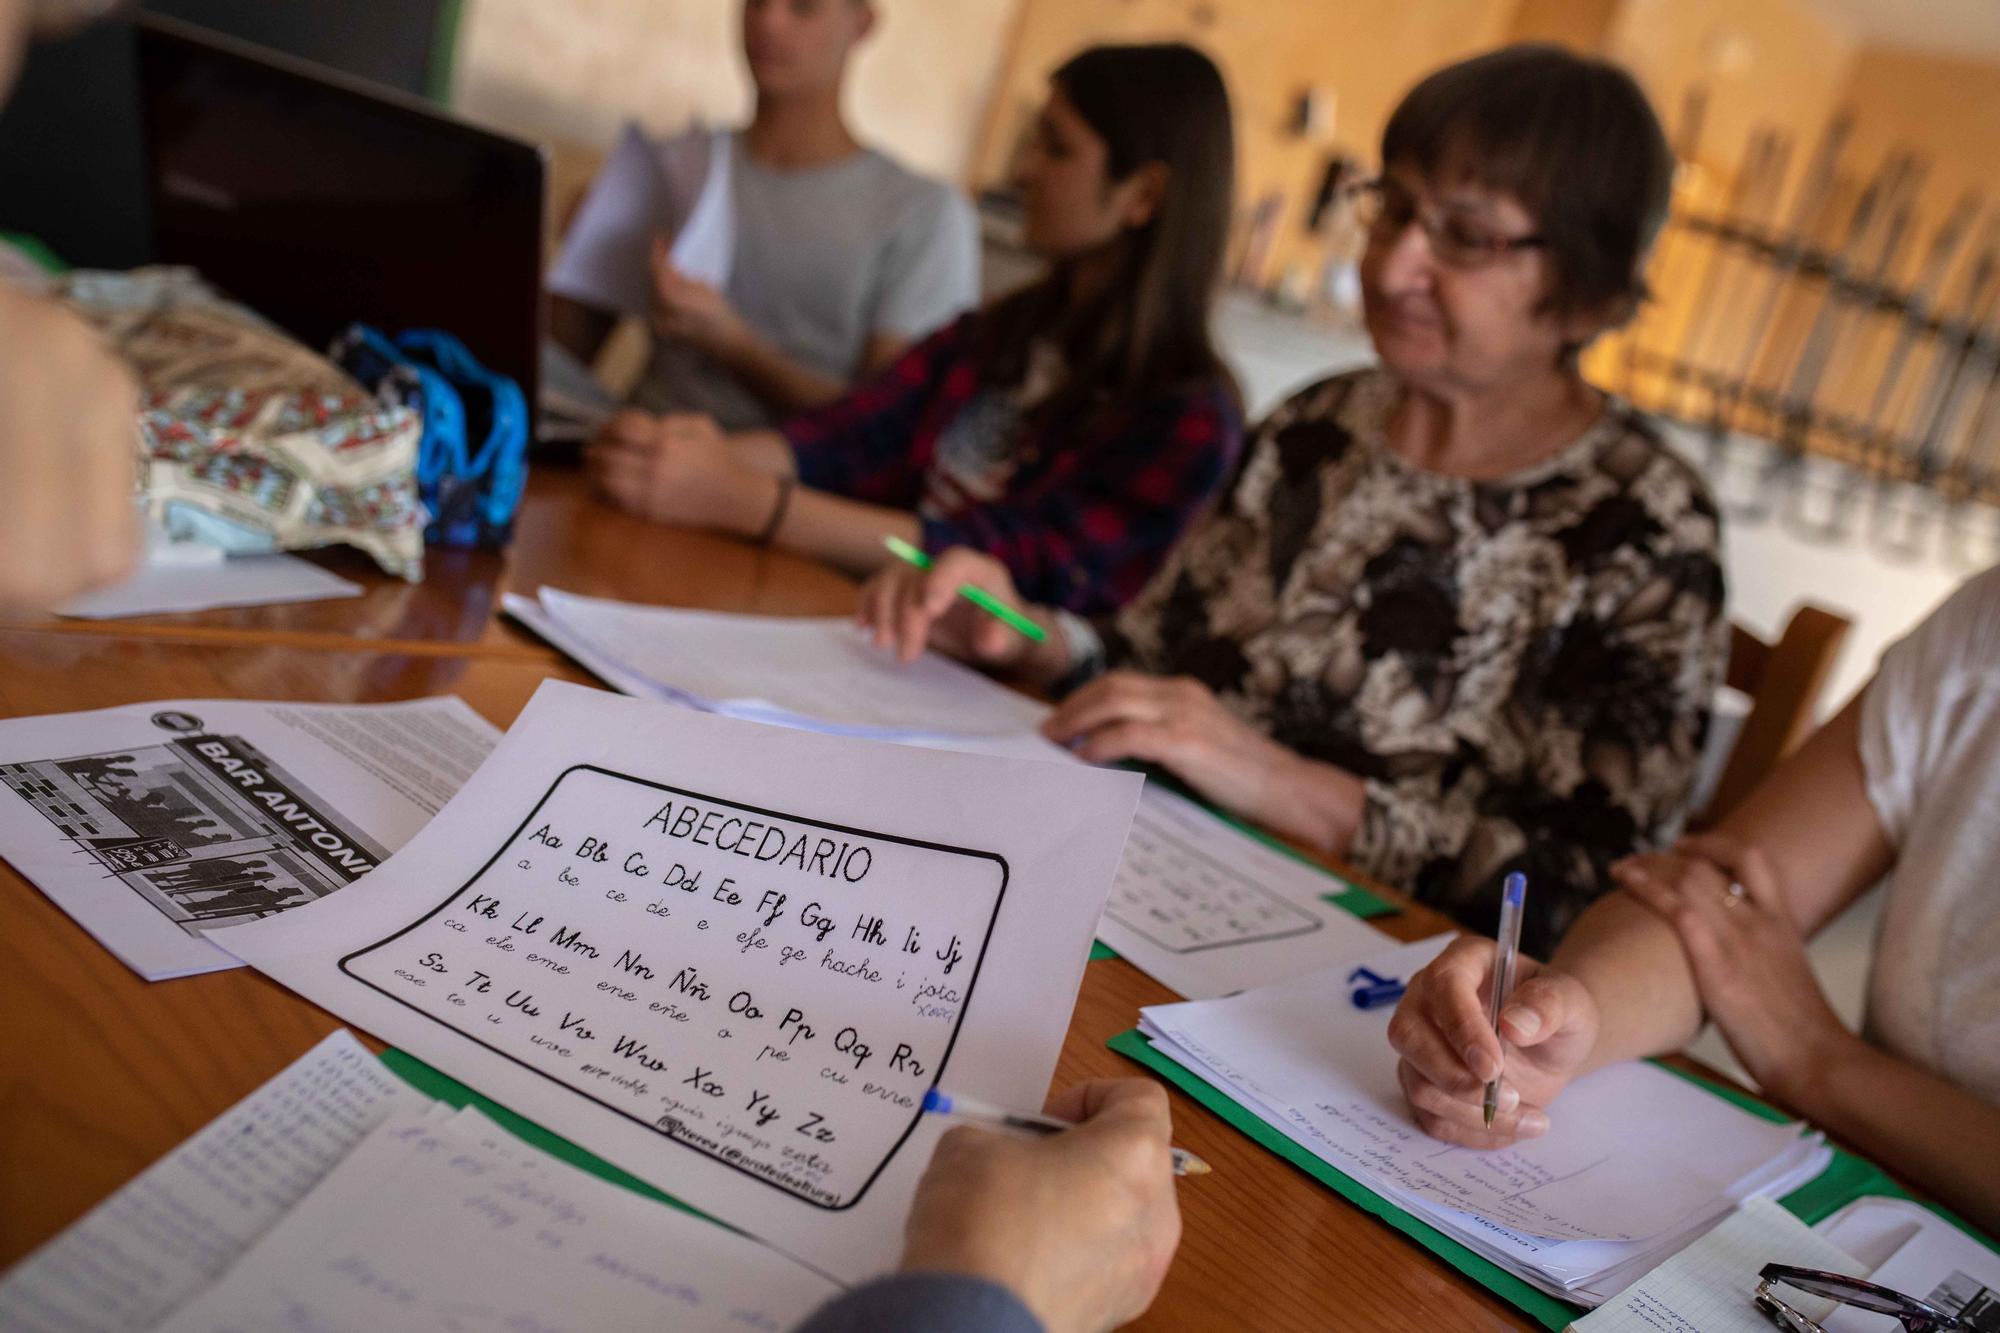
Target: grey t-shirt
[826,257]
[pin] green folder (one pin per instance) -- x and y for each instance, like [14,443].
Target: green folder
[1846,1179]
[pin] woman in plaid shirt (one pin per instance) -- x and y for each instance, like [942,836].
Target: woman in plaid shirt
[1072,430]
[1459,614]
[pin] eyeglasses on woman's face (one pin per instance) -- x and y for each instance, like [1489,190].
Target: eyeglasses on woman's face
[1915,1316]
[1386,208]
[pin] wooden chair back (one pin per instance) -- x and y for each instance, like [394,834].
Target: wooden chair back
[1783,680]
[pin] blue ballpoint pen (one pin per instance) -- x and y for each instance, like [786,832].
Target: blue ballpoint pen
[967,1108]
[1509,946]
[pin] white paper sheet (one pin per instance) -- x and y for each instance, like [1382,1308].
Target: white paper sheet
[533,616]
[749,1020]
[242,580]
[1198,904]
[1208,910]
[1932,1260]
[817,668]
[704,245]
[682,189]
[154,823]
[1326,1067]
[436,1225]
[141,1253]
[1707,1287]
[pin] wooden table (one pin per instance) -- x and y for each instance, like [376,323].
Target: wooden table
[102,1073]
[563,538]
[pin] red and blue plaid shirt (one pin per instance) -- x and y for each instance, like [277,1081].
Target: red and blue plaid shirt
[1089,508]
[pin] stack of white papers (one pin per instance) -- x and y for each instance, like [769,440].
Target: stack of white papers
[818,673]
[336,1198]
[1198,904]
[1638,1162]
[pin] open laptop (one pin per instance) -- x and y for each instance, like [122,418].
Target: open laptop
[320,200]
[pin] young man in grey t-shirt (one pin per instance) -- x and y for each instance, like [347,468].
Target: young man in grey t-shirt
[842,257]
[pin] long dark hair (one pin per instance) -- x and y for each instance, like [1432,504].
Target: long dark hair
[1148,330]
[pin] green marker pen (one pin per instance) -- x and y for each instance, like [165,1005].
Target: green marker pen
[979,597]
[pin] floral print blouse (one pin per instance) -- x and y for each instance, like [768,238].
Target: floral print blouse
[1520,671]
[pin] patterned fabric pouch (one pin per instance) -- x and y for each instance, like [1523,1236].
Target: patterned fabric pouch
[249,440]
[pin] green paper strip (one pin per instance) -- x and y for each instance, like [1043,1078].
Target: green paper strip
[1099,950]
[1845,1179]
[445,1088]
[1360,902]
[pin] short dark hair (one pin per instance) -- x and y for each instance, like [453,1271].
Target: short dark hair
[1572,138]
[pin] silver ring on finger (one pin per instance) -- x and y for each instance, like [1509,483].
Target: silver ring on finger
[1734,895]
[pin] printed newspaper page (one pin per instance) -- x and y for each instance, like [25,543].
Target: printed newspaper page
[153,823]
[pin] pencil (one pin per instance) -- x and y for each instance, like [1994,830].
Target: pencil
[1509,946]
[968,1108]
[979,597]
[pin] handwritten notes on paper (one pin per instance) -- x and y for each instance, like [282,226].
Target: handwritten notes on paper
[442,1223]
[335,1198]
[1637,1163]
[730,958]
[185,1219]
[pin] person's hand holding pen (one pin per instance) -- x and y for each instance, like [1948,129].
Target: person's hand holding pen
[1080,1225]
[906,609]
[1449,1049]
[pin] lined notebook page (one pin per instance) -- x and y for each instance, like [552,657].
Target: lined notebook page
[1707,1288]
[174,1229]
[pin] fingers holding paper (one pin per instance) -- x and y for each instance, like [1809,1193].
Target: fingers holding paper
[1081,1225]
[689,309]
[1449,1049]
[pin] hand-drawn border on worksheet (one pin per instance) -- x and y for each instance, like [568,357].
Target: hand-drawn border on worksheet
[936,1074]
[1313,923]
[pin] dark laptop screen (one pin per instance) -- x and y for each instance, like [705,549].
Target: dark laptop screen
[319,201]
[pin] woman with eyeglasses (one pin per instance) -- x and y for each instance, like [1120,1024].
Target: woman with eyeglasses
[1901,789]
[1461,613]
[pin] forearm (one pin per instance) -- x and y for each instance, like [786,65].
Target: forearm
[846,534]
[1632,964]
[783,384]
[1920,1126]
[764,451]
